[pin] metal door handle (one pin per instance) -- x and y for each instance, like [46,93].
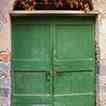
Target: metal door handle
[48,76]
[56,72]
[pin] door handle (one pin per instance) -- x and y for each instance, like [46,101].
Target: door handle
[48,76]
[56,72]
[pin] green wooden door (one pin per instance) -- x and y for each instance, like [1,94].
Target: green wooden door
[74,63]
[53,61]
[31,63]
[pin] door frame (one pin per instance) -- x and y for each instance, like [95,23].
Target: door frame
[56,13]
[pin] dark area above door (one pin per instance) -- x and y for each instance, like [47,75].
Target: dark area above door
[82,5]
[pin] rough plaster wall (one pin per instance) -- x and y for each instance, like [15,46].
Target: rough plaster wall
[100,5]
[5,7]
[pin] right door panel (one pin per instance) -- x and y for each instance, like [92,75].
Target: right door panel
[74,65]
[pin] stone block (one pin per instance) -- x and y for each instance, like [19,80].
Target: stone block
[103,99]
[102,84]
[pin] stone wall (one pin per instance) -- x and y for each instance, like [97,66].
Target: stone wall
[5,50]
[100,5]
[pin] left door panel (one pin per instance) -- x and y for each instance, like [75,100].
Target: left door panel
[31,68]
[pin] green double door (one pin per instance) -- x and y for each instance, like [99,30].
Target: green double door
[53,61]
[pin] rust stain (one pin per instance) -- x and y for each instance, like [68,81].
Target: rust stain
[5,56]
